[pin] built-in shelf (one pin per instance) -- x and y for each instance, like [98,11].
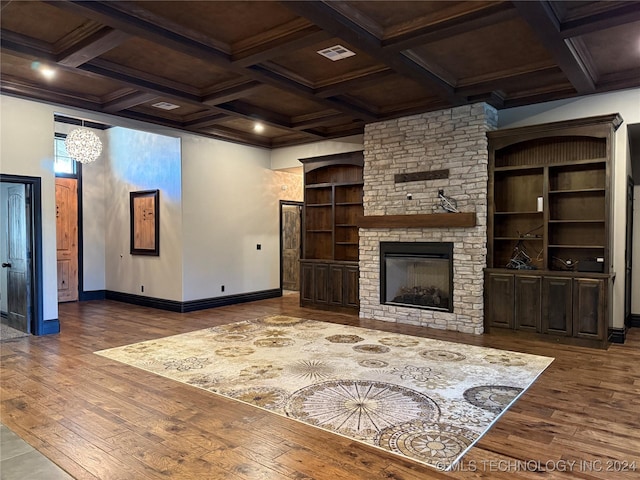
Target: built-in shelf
[434,220]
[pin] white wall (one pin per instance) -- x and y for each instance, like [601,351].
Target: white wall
[228,208]
[627,104]
[26,148]
[93,213]
[143,161]
[287,157]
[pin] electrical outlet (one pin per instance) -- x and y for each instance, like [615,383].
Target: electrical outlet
[258,247]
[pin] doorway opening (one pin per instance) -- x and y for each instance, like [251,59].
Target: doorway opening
[290,245]
[21,252]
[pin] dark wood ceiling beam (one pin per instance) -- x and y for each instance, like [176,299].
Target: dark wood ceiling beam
[620,15]
[363,81]
[91,47]
[232,93]
[32,91]
[543,21]
[317,121]
[131,18]
[256,114]
[127,101]
[206,121]
[450,27]
[478,86]
[348,29]
[237,136]
[280,46]
[31,47]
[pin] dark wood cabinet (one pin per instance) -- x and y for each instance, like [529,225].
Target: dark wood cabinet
[528,302]
[500,289]
[332,207]
[548,226]
[557,305]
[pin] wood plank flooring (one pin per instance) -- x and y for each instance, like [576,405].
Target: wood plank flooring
[98,419]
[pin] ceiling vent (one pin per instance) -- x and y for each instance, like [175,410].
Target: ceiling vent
[166,105]
[337,52]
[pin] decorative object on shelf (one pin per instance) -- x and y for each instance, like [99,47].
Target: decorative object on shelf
[520,260]
[145,222]
[447,204]
[83,145]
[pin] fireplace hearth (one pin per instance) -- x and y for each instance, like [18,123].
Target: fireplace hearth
[417,275]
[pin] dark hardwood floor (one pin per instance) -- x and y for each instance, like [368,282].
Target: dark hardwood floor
[98,419]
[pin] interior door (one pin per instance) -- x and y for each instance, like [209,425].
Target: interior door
[291,221]
[17,264]
[628,254]
[67,238]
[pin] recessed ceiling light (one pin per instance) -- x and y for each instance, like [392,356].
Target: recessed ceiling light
[337,52]
[166,105]
[47,72]
[258,127]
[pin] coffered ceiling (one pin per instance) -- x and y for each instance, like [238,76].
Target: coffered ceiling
[223,66]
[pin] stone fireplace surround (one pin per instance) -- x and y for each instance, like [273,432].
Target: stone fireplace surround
[453,139]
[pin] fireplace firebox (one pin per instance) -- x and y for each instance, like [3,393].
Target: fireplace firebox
[417,275]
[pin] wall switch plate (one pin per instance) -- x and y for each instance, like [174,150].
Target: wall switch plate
[258,247]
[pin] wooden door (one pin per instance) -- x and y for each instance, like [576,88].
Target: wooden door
[528,310]
[18,264]
[588,308]
[557,305]
[67,238]
[499,303]
[291,220]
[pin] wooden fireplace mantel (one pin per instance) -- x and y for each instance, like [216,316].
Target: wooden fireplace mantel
[432,220]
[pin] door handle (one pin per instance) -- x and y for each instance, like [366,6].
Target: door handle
[6,265]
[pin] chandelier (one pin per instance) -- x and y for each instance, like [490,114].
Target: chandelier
[83,145]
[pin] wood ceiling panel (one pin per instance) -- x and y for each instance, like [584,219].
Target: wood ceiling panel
[67,80]
[284,103]
[229,22]
[178,114]
[318,70]
[247,126]
[397,18]
[164,62]
[39,20]
[482,51]
[614,49]
[393,92]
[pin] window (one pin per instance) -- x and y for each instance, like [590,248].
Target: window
[63,164]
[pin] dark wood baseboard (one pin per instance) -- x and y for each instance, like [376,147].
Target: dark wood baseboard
[617,335]
[635,320]
[4,315]
[192,305]
[93,295]
[50,327]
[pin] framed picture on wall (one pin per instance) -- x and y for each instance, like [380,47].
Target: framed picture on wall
[145,222]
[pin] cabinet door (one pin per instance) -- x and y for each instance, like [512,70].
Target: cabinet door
[336,285]
[306,283]
[588,308]
[351,281]
[557,305]
[321,283]
[500,300]
[528,311]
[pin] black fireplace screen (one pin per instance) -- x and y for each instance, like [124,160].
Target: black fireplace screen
[417,274]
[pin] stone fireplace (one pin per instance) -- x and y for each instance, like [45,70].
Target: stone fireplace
[452,140]
[417,275]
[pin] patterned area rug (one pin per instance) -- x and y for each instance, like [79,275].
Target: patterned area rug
[423,399]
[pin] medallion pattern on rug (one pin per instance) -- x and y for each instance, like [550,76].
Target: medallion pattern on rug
[425,400]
